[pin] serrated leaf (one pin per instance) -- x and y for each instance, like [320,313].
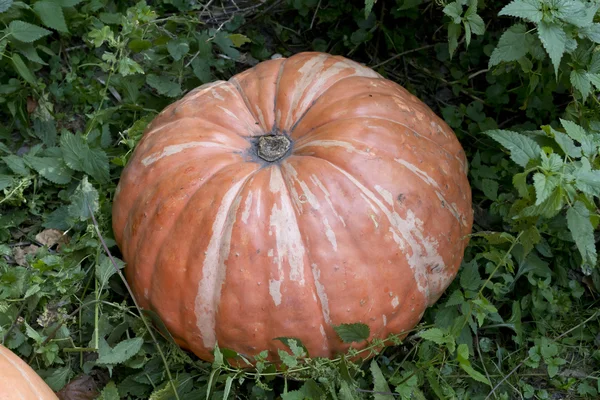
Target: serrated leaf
[455,299]
[58,378]
[178,48]
[29,51]
[122,352]
[520,183]
[578,221]
[573,12]
[51,14]
[353,332]
[23,69]
[454,10]
[16,164]
[530,10]
[522,149]
[454,31]
[110,392]
[238,39]
[549,208]
[574,131]
[594,80]
[490,188]
[105,269]
[510,46]
[478,376]
[163,85]
[45,130]
[476,24]
[53,169]
[592,32]
[554,39]
[84,198]
[567,145]
[80,157]
[544,186]
[581,82]
[201,68]
[469,277]
[5,5]
[26,32]
[380,385]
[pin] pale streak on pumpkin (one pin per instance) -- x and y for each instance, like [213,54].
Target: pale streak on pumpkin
[177,148]
[387,196]
[321,293]
[330,234]
[408,231]
[288,240]
[333,143]
[395,302]
[384,320]
[247,206]
[258,204]
[213,268]
[23,373]
[432,182]
[312,199]
[315,180]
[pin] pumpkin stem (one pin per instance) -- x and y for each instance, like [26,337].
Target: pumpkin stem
[273,147]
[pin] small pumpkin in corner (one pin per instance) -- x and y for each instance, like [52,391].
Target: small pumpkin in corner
[299,195]
[19,381]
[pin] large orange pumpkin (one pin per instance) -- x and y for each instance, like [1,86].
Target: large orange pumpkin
[19,381]
[299,195]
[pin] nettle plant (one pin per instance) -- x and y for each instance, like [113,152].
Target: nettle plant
[560,175]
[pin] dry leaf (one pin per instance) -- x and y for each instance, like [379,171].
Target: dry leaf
[83,387]
[20,253]
[50,237]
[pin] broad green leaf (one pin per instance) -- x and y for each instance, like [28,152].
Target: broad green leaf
[566,144]
[552,163]
[122,352]
[522,149]
[6,181]
[163,85]
[549,207]
[530,10]
[454,31]
[544,186]
[588,180]
[58,378]
[110,392]
[554,39]
[454,10]
[16,164]
[53,169]
[573,12]
[201,69]
[352,332]
[346,393]
[221,39]
[478,376]
[5,5]
[288,359]
[26,32]
[23,69]
[85,198]
[592,32]
[80,157]
[29,51]
[581,82]
[105,269]
[511,46]
[594,80]
[368,8]
[476,24]
[520,183]
[490,188]
[380,385]
[574,131]
[178,48]
[578,221]
[434,335]
[469,276]
[51,14]
[238,39]
[126,66]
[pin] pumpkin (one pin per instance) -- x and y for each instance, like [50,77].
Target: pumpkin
[19,381]
[299,195]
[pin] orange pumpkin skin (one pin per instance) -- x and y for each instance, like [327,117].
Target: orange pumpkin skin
[364,219]
[19,381]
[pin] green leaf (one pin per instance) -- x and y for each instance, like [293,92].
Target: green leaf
[554,39]
[288,359]
[581,82]
[16,164]
[105,269]
[520,183]
[368,8]
[127,66]
[29,51]
[574,131]
[530,10]
[110,392]
[58,378]
[201,68]
[53,169]
[454,10]
[23,69]
[434,335]
[490,188]
[592,32]
[353,332]
[549,207]
[544,186]
[476,24]
[84,198]
[121,352]
[578,221]
[80,157]
[453,35]
[163,85]
[380,386]
[239,40]
[478,376]
[26,32]
[522,149]
[510,46]
[5,5]
[469,277]
[178,48]
[51,15]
